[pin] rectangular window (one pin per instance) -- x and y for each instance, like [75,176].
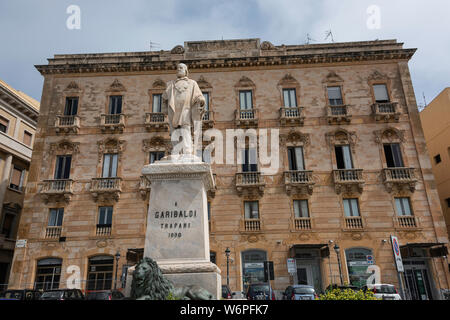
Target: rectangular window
[8,224]
[110,165]
[115,104]
[437,158]
[351,207]
[301,209]
[343,157]
[156,156]
[335,96]
[56,217]
[157,100]
[105,216]
[206,96]
[393,155]
[245,100]
[17,176]
[381,93]
[249,160]
[62,170]
[4,125]
[403,207]
[209,211]
[295,157]
[27,137]
[71,108]
[290,98]
[251,209]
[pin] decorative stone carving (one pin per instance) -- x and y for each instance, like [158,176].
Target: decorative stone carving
[341,136]
[72,87]
[377,75]
[266,45]
[116,86]
[203,84]
[295,138]
[333,78]
[159,84]
[156,143]
[110,145]
[177,50]
[288,79]
[65,147]
[390,135]
[245,82]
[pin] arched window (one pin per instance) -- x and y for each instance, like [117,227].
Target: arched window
[48,273]
[253,266]
[357,263]
[100,273]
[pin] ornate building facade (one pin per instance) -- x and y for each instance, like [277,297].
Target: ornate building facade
[353,167]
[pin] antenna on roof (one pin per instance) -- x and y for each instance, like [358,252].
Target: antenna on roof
[424,99]
[154,45]
[308,39]
[328,34]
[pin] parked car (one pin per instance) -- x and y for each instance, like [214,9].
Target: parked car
[238,295]
[25,294]
[383,291]
[260,291]
[63,294]
[105,295]
[226,292]
[300,292]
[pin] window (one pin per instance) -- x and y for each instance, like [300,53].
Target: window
[295,157]
[4,125]
[156,156]
[209,211]
[206,96]
[301,209]
[62,170]
[351,207]
[448,202]
[56,217]
[115,104]
[48,274]
[17,176]
[100,273]
[343,157]
[8,224]
[212,257]
[249,160]
[245,100]
[205,155]
[437,158]
[403,207]
[289,97]
[27,137]
[357,265]
[157,99]
[105,216]
[110,165]
[335,96]
[71,108]
[253,267]
[381,93]
[393,155]
[251,209]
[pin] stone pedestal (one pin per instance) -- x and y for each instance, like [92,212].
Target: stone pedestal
[177,234]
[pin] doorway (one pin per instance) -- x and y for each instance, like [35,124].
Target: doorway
[304,275]
[418,281]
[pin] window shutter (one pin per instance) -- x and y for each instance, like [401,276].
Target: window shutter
[381,94]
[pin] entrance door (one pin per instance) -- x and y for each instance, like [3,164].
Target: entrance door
[418,284]
[304,275]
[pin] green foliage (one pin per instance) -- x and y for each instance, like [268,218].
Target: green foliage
[171,296]
[347,294]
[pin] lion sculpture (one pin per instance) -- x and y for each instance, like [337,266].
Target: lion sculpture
[150,284]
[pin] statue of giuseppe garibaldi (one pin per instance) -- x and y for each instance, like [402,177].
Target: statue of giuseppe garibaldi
[184,103]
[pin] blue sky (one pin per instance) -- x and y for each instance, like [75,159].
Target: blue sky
[34,30]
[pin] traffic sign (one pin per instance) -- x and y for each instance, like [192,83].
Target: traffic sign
[292,265]
[397,254]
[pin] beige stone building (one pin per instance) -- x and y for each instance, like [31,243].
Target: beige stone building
[353,167]
[18,120]
[435,120]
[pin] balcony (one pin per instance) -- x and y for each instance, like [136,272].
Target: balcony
[250,225]
[246,118]
[53,232]
[112,122]
[400,178]
[405,222]
[348,180]
[302,224]
[338,114]
[106,188]
[353,223]
[386,112]
[67,124]
[144,187]
[156,121]
[57,189]
[250,183]
[103,230]
[208,119]
[291,116]
[298,182]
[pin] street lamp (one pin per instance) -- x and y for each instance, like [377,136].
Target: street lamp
[227,253]
[117,267]
[338,250]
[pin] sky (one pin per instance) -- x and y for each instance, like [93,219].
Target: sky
[34,30]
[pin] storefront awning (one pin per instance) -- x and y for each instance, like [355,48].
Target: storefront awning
[435,249]
[323,247]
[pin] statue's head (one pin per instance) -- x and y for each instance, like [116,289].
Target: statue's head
[142,271]
[182,70]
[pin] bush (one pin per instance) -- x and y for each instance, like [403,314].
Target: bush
[347,294]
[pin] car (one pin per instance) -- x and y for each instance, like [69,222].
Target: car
[62,294]
[260,291]
[238,295]
[300,292]
[105,295]
[383,291]
[25,294]
[226,292]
